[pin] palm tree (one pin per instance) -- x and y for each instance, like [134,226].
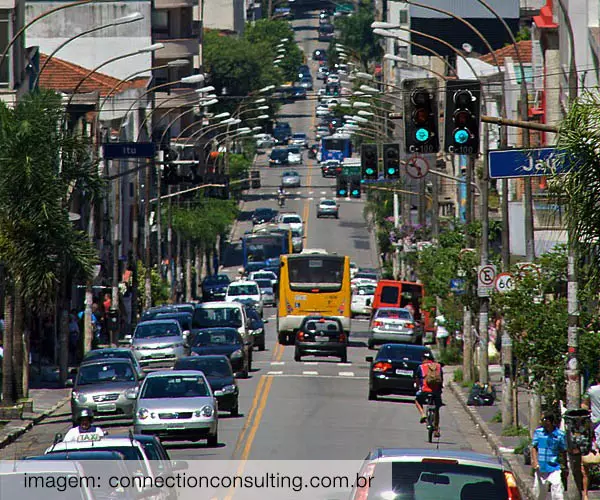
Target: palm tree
[40,167]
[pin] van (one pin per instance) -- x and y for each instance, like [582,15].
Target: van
[390,293]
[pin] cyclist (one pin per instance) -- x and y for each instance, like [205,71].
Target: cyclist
[281,196]
[430,379]
[84,430]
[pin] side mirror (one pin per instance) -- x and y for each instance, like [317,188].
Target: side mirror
[369,359]
[265,321]
[73,371]
[240,270]
[368,302]
[179,465]
[69,382]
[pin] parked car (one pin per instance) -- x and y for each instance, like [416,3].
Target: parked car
[321,336]
[300,140]
[294,155]
[450,473]
[263,215]
[214,287]
[279,156]
[290,179]
[393,370]
[225,341]
[177,405]
[219,373]
[107,387]
[393,324]
[158,342]
[328,208]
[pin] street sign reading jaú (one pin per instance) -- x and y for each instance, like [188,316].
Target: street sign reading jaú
[486,277]
[114,150]
[528,162]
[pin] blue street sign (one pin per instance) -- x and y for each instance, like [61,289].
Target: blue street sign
[457,286]
[128,150]
[527,162]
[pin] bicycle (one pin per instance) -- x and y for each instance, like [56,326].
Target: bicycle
[430,410]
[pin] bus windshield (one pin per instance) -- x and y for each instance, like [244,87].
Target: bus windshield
[316,273]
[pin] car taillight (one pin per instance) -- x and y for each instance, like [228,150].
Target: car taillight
[300,335]
[342,337]
[382,366]
[511,485]
[362,490]
[377,323]
[409,325]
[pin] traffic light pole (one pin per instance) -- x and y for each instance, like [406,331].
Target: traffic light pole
[484,302]
[161,154]
[147,246]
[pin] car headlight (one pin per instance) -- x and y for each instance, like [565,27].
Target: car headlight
[228,389]
[79,397]
[258,331]
[206,411]
[237,354]
[143,413]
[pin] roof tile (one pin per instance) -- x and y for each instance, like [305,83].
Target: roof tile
[509,51]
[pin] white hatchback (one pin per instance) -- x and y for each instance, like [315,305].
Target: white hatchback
[247,292]
[294,220]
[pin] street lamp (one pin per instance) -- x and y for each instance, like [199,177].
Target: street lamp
[265,89]
[365,113]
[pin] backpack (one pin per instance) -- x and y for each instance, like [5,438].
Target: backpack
[433,375]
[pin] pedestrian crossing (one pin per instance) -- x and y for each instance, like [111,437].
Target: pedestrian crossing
[310,369]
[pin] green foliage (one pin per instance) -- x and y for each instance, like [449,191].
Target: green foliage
[452,355]
[515,431]
[357,36]
[459,376]
[522,446]
[497,418]
[161,291]
[239,166]
[40,166]
[523,34]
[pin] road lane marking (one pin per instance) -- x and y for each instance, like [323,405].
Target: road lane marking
[257,419]
[323,192]
[297,375]
[346,374]
[344,364]
[311,192]
[274,373]
[277,363]
[253,407]
[310,363]
[310,373]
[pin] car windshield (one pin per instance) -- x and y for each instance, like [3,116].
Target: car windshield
[99,373]
[184,319]
[175,386]
[289,174]
[329,203]
[399,351]
[393,314]
[262,276]
[156,330]
[92,355]
[237,290]
[430,480]
[295,151]
[366,276]
[220,279]
[211,367]
[326,28]
[279,153]
[292,220]
[264,284]
[366,290]
[299,136]
[216,337]
[205,317]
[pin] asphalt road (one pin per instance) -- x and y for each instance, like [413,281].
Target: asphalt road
[318,408]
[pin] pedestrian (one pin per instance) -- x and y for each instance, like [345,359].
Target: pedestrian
[591,402]
[548,450]
[107,302]
[441,332]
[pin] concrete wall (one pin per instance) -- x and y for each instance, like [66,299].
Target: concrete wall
[225,15]
[91,50]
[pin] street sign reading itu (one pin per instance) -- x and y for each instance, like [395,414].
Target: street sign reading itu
[527,162]
[114,150]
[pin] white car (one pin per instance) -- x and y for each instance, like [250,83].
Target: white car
[264,140]
[322,110]
[294,155]
[362,299]
[264,275]
[245,291]
[332,78]
[321,94]
[353,269]
[294,220]
[361,278]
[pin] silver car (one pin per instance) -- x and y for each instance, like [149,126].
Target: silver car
[297,240]
[158,342]
[266,290]
[290,179]
[108,387]
[177,405]
[393,324]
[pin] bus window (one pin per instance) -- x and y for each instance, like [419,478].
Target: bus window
[322,273]
[390,295]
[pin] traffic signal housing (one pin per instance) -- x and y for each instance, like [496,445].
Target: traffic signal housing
[341,188]
[369,162]
[391,161]
[355,191]
[421,118]
[462,117]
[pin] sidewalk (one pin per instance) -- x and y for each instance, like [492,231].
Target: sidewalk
[484,418]
[45,402]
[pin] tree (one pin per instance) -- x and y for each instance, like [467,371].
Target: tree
[357,35]
[41,165]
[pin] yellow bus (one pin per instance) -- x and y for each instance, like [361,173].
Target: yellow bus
[312,282]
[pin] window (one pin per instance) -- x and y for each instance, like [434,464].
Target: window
[160,21]
[316,273]
[403,16]
[4,38]
[174,387]
[402,51]
[390,295]
[205,317]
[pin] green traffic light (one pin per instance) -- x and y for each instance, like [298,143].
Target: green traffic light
[422,135]
[391,171]
[355,192]
[461,136]
[369,171]
[342,191]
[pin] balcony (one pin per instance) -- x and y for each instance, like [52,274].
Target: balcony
[177,48]
[173,4]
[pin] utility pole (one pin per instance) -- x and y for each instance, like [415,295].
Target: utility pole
[435,208]
[171,268]
[116,239]
[135,244]
[422,202]
[470,168]
[89,294]
[161,156]
[484,302]
[396,256]
[147,246]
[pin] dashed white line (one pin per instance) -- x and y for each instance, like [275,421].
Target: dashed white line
[273,363]
[344,364]
[323,192]
[311,192]
[346,374]
[311,198]
[310,373]
[297,199]
[274,373]
[310,363]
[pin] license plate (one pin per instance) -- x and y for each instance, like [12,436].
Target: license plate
[407,373]
[158,355]
[106,407]
[175,427]
[321,339]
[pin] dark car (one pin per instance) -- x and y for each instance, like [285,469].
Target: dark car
[312,151]
[319,55]
[307,82]
[150,314]
[331,168]
[257,327]
[114,352]
[326,32]
[394,369]
[183,318]
[299,93]
[321,336]
[219,373]
[278,156]
[252,267]
[282,130]
[215,287]
[262,215]
[225,341]
[303,71]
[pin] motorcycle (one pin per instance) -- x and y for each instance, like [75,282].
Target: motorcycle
[281,200]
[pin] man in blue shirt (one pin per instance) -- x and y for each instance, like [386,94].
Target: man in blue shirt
[549,446]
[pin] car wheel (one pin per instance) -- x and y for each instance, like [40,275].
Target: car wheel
[262,347]
[297,356]
[344,357]
[337,216]
[235,411]
[213,440]
[245,373]
[371,344]
[372,395]
[282,338]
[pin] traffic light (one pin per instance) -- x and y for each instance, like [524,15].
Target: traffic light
[169,169]
[462,116]
[391,161]
[355,187]
[369,161]
[341,188]
[421,115]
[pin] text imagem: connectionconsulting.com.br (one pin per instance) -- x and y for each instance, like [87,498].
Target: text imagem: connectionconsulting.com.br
[267,480]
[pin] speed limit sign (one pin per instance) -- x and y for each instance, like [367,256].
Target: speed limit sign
[504,283]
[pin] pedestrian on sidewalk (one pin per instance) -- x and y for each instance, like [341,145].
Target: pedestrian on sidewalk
[591,402]
[548,450]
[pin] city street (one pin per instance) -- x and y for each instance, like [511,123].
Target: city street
[318,408]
